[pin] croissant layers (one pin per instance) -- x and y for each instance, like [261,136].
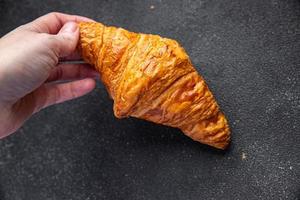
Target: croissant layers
[152,78]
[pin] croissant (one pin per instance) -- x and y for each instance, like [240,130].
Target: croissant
[152,78]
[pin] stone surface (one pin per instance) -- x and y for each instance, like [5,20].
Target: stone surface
[248,52]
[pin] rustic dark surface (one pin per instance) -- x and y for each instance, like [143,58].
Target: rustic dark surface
[248,52]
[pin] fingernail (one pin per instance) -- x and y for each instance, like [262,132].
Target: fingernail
[69,27]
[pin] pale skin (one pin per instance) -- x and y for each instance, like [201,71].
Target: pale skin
[30,74]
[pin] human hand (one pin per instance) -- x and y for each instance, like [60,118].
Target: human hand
[29,68]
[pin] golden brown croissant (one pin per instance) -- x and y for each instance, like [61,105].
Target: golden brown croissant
[152,78]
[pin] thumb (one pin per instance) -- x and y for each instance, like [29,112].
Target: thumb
[66,39]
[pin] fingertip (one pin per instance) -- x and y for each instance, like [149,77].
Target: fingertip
[67,39]
[90,83]
[69,27]
[86,85]
[59,93]
[83,19]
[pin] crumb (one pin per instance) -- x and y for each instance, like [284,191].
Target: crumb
[243,156]
[152,7]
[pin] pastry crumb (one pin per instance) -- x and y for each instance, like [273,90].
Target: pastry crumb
[244,156]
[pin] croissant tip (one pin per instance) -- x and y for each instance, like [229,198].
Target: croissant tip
[225,143]
[223,146]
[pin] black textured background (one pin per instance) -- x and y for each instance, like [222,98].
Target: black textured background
[248,52]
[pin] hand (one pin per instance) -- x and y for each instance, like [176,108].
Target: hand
[29,68]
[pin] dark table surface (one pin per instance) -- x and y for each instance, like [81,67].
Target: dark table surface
[248,52]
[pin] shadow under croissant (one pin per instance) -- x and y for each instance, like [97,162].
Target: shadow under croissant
[151,134]
[139,133]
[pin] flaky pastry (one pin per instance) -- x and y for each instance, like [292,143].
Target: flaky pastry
[152,78]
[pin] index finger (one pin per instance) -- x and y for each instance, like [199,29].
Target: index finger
[51,23]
